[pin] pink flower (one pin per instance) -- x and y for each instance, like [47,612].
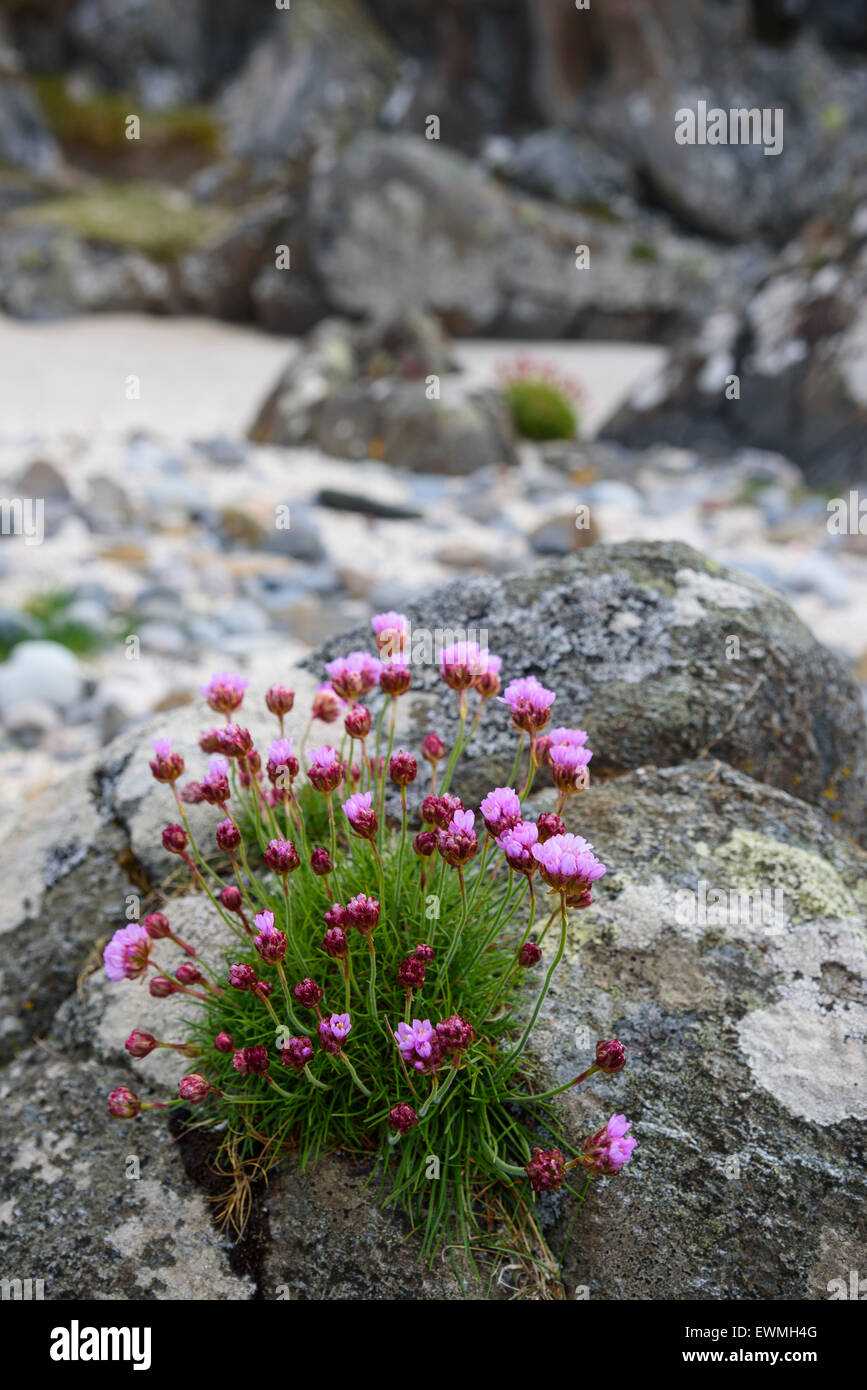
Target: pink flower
[419,1045]
[395,678]
[215,784]
[529,702]
[334,1031]
[361,815]
[281,766]
[270,943]
[326,705]
[282,857]
[575,738]
[392,634]
[610,1149]
[567,863]
[459,663]
[402,768]
[126,955]
[569,764]
[458,843]
[225,692]
[166,766]
[326,769]
[354,675]
[279,699]
[501,810]
[517,844]
[486,679]
[362,913]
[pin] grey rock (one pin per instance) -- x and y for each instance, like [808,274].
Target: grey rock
[40,670]
[47,272]
[634,639]
[25,139]
[16,627]
[743,1082]
[339,501]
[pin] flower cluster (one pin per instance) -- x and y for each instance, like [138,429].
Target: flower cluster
[324,886]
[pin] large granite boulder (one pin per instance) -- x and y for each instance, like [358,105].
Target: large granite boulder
[662,655]
[725,948]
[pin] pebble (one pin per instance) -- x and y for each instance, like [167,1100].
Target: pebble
[39,670]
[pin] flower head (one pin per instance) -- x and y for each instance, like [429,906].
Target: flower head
[548,825]
[529,955]
[501,810]
[326,704]
[326,769]
[529,702]
[127,954]
[458,843]
[224,1042]
[459,663]
[402,768]
[282,857]
[419,1045]
[251,1061]
[354,675]
[425,843]
[281,766]
[517,845]
[279,699]
[361,815]
[438,810]
[335,943]
[357,722]
[231,898]
[392,633]
[610,1056]
[610,1149]
[193,1088]
[432,748]
[225,692]
[402,1118]
[308,993]
[362,913]
[140,1044]
[569,763]
[215,783]
[269,941]
[455,1034]
[166,766]
[567,863]
[546,1170]
[123,1103]
[411,972]
[175,839]
[486,678]
[395,678]
[296,1053]
[334,1031]
[320,862]
[227,835]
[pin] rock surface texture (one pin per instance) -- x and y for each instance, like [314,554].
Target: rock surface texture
[725,949]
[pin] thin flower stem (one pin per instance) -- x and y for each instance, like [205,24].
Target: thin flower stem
[515,1053]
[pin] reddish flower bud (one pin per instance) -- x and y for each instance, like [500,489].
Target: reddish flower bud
[297,1053]
[156,924]
[336,916]
[411,973]
[193,1088]
[188,974]
[123,1103]
[308,993]
[423,952]
[546,1170]
[395,679]
[231,898]
[549,825]
[251,1061]
[432,748]
[610,1056]
[140,1044]
[402,1118]
[320,863]
[175,839]
[159,986]
[228,836]
[282,857]
[529,955]
[279,699]
[335,943]
[403,769]
[362,913]
[357,722]
[242,976]
[425,843]
[224,1042]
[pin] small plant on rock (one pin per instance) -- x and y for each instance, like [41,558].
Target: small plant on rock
[372,998]
[543,402]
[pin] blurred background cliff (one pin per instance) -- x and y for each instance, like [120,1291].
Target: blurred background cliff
[188,188]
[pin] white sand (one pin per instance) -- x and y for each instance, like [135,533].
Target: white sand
[199,378]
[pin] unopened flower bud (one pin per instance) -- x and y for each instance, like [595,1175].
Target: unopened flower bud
[529,955]
[610,1056]
[224,1042]
[402,1118]
[140,1044]
[123,1103]
[308,993]
[546,1170]
[193,1088]
[175,839]
[320,863]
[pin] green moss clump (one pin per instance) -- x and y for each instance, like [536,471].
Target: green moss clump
[158,221]
[541,410]
[99,121]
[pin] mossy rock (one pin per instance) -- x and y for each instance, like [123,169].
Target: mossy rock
[541,410]
[154,220]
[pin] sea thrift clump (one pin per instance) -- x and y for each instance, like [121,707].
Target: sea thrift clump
[337,913]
